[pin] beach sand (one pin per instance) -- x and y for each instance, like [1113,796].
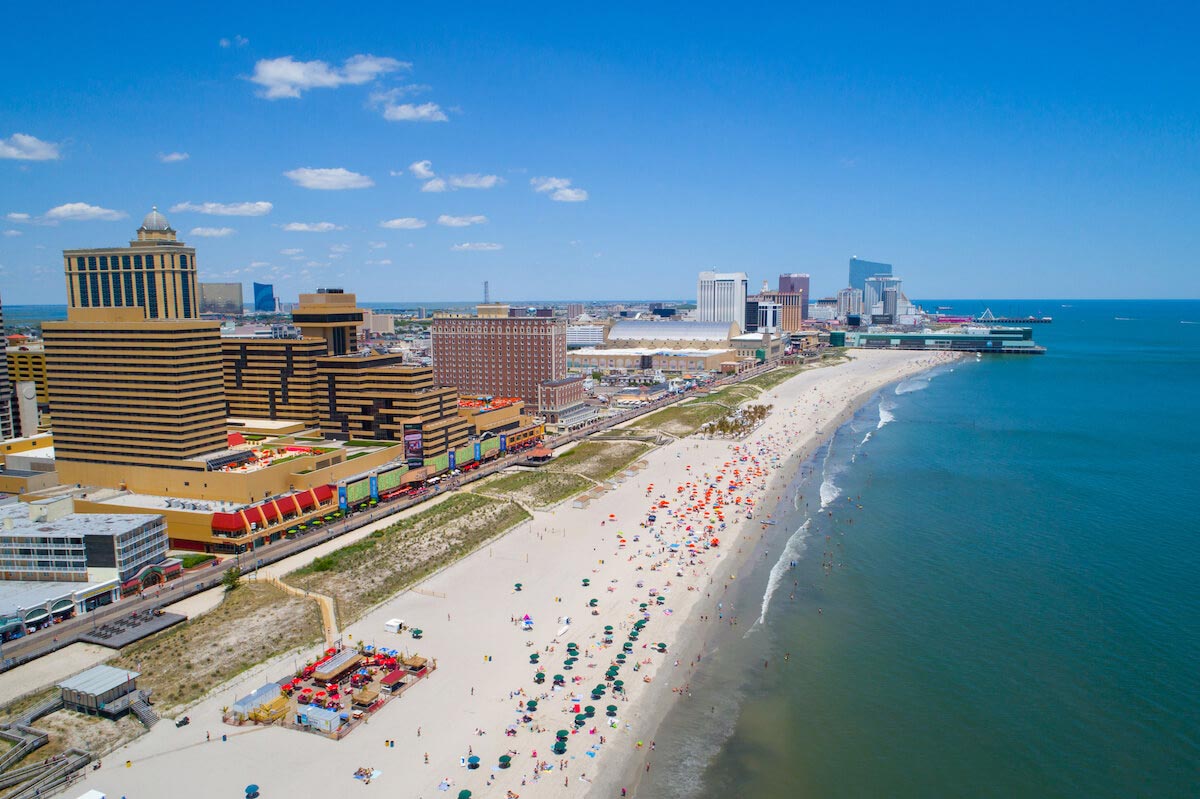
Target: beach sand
[467,613]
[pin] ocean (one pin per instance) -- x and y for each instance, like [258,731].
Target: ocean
[985,585]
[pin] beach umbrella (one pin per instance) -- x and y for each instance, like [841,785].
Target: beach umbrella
[251,791]
[608,628]
[540,677]
[580,720]
[628,647]
[517,587]
[504,761]
[464,794]
[534,658]
[531,705]
[612,710]
[561,735]
[559,678]
[593,602]
[621,658]
[586,582]
[559,748]
[599,689]
[589,711]
[572,645]
[618,685]
[473,761]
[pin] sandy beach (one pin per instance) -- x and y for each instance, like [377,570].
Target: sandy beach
[696,489]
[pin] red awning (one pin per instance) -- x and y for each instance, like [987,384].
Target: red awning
[289,504]
[306,500]
[268,510]
[323,493]
[228,523]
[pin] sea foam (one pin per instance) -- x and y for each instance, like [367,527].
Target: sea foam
[792,550]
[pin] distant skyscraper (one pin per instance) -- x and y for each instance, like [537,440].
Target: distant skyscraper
[223,298]
[860,270]
[849,301]
[264,298]
[6,416]
[721,297]
[796,283]
[876,287]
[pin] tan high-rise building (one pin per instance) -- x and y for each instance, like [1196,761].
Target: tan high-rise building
[495,354]
[793,303]
[155,273]
[27,364]
[134,376]
[378,397]
[332,315]
[127,391]
[6,417]
[272,378]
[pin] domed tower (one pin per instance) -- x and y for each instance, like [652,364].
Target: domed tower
[155,227]
[156,273]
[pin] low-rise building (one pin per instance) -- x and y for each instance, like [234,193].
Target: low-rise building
[563,404]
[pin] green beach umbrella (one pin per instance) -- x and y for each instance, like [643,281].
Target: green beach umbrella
[464,794]
[531,705]
[589,711]
[504,761]
[539,677]
[612,710]
[618,685]
[559,748]
[592,603]
[559,678]
[517,586]
[561,735]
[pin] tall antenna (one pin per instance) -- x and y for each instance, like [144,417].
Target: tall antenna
[487,296]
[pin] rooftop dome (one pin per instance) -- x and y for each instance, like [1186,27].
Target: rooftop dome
[155,221]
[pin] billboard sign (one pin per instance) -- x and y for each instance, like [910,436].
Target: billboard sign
[375,487]
[414,445]
[343,501]
[503,443]
[452,461]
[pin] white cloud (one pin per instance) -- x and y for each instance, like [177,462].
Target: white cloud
[411,112]
[475,181]
[340,248]
[260,208]
[82,212]
[291,251]
[18,217]
[311,227]
[212,232]
[11,233]
[569,195]
[377,245]
[559,189]
[239,41]
[328,179]
[461,221]
[477,246]
[287,77]
[172,158]
[403,223]
[421,169]
[23,147]
[381,262]
[435,185]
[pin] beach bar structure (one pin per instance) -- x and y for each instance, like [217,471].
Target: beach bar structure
[337,665]
[101,691]
[248,705]
[320,719]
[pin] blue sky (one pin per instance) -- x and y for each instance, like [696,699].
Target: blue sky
[985,151]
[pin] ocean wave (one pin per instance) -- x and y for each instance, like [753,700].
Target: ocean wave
[885,414]
[792,550]
[914,384]
[866,438]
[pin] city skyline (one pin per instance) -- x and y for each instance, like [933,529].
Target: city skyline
[323,151]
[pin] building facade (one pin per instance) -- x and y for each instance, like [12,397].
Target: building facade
[860,270]
[331,315]
[796,283]
[876,288]
[7,430]
[563,404]
[377,397]
[721,297]
[849,301]
[221,298]
[264,298]
[497,354]
[272,378]
[156,274]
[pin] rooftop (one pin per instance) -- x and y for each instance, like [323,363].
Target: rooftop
[18,595]
[98,680]
[620,351]
[638,330]
[18,514]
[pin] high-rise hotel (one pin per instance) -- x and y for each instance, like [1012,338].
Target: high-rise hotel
[134,375]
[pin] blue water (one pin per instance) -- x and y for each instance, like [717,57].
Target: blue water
[1013,611]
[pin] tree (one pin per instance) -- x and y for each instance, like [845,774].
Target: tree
[231,578]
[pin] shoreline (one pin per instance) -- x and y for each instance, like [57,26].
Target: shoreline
[698,639]
[483,659]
